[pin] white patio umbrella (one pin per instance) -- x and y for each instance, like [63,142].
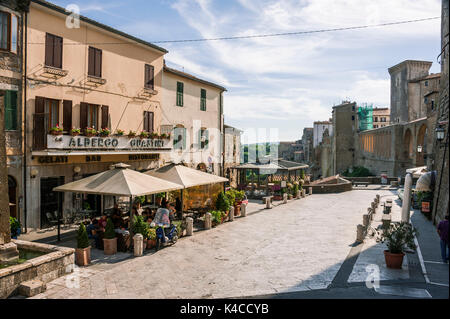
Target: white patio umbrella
[185,176]
[119,181]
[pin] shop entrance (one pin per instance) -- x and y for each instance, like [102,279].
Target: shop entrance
[12,191]
[91,203]
[51,202]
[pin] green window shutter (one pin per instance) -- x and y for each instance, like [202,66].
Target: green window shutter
[200,138]
[10,101]
[206,139]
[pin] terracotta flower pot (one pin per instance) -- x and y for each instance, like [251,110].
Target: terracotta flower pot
[56,133]
[237,210]
[393,261]
[110,246]
[83,256]
[74,133]
[151,243]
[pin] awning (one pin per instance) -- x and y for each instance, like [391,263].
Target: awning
[417,171]
[185,176]
[119,181]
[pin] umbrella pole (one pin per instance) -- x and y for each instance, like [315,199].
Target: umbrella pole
[131,216]
[182,202]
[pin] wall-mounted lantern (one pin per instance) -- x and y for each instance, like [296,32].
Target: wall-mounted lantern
[440,132]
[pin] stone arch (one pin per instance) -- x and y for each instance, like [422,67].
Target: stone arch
[421,143]
[408,145]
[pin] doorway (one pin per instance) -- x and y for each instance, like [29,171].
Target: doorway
[51,202]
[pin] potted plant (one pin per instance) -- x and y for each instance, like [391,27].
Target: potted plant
[110,239]
[120,132]
[143,135]
[15,227]
[216,217]
[295,189]
[90,132]
[131,134]
[398,237]
[140,227]
[56,130]
[104,132]
[222,203]
[239,197]
[154,135]
[151,238]
[164,136]
[83,250]
[75,131]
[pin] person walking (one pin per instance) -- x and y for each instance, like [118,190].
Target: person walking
[442,230]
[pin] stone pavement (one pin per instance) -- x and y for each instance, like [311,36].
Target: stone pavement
[295,247]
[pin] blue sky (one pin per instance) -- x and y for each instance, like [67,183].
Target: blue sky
[286,82]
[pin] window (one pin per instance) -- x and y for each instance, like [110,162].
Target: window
[179,139]
[92,116]
[53,50]
[425,100]
[149,77]
[426,83]
[202,100]
[376,119]
[148,122]
[180,89]
[10,100]
[8,31]
[52,109]
[432,105]
[204,138]
[353,117]
[95,62]
[375,126]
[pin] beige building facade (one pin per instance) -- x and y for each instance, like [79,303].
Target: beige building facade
[80,77]
[381,117]
[232,150]
[192,109]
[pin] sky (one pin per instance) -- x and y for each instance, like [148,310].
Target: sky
[282,83]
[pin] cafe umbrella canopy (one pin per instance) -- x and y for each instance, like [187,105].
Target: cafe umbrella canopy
[185,177]
[119,181]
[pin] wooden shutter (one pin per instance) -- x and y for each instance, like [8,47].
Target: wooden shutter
[91,61]
[40,131]
[39,105]
[49,44]
[67,115]
[105,116]
[149,76]
[151,116]
[83,115]
[57,52]
[98,63]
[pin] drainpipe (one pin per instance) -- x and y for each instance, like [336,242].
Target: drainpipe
[24,106]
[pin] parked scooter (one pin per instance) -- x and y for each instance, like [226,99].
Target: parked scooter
[165,235]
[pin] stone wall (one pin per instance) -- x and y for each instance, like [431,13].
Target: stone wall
[440,202]
[57,262]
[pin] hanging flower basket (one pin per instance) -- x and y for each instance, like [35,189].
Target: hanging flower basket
[90,132]
[56,130]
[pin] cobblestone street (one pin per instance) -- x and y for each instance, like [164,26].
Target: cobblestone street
[299,246]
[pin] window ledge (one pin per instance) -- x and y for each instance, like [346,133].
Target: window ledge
[148,91]
[95,80]
[55,71]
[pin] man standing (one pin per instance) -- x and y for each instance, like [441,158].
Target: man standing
[442,230]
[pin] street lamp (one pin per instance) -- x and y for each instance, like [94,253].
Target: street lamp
[440,132]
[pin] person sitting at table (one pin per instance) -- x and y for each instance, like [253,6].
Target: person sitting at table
[92,228]
[162,216]
[102,222]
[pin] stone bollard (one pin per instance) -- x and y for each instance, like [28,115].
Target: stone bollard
[285,196]
[189,226]
[268,203]
[366,220]
[378,198]
[360,233]
[243,210]
[386,221]
[208,224]
[297,196]
[310,190]
[303,193]
[138,240]
[231,214]
[406,202]
[374,206]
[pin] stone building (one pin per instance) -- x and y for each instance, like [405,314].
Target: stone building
[193,109]
[441,153]
[318,128]
[307,141]
[381,117]
[345,126]
[232,150]
[323,165]
[76,80]
[12,19]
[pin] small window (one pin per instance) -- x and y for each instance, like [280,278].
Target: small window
[203,100]
[180,90]
[92,116]
[353,117]
[10,100]
[95,62]
[179,138]
[426,83]
[204,138]
[52,109]
[53,50]
[426,100]
[8,32]
[149,76]
[149,122]
[432,105]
